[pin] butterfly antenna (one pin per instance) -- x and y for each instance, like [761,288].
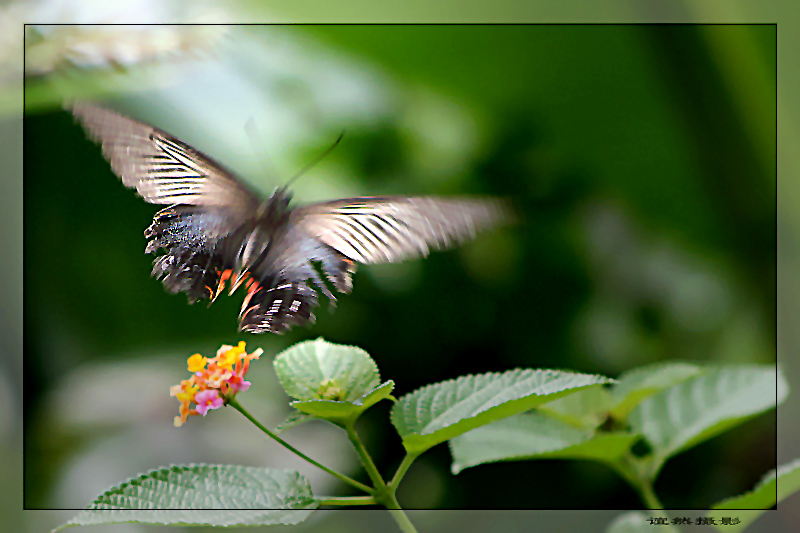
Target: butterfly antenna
[319,158]
[257,142]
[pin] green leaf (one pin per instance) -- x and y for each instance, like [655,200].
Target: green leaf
[381,393]
[295,419]
[587,408]
[330,381]
[215,495]
[326,409]
[635,386]
[591,407]
[773,488]
[535,436]
[442,411]
[696,410]
[342,411]
[637,522]
[320,370]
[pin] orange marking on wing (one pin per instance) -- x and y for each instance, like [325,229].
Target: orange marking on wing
[251,291]
[210,295]
[222,277]
[238,280]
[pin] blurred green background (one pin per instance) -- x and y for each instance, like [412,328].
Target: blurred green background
[641,158]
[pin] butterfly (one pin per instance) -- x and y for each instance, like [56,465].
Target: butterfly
[216,230]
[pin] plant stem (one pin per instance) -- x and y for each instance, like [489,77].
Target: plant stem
[401,470]
[383,494]
[369,466]
[348,500]
[638,478]
[236,405]
[649,496]
[390,502]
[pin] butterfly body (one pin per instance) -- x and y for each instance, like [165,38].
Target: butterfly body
[217,232]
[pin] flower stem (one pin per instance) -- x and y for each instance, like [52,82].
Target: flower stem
[369,466]
[348,500]
[236,405]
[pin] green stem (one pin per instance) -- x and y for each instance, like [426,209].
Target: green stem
[236,405]
[390,502]
[625,468]
[369,466]
[401,471]
[383,495]
[649,496]
[348,500]
[639,480]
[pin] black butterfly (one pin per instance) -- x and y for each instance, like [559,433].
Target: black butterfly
[217,230]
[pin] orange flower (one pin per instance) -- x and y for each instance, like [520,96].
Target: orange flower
[197,362]
[218,379]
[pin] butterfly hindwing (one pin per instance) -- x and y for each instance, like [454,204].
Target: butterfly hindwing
[276,309]
[194,242]
[209,207]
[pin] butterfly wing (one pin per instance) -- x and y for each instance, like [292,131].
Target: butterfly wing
[391,229]
[162,169]
[209,207]
[211,215]
[339,234]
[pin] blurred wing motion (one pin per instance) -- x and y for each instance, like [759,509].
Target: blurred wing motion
[208,209]
[161,168]
[216,230]
[338,234]
[391,229]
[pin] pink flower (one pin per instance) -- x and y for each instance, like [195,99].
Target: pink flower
[237,384]
[207,399]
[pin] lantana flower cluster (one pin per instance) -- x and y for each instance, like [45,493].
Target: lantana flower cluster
[213,380]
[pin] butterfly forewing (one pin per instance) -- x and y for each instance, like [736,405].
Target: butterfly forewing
[391,229]
[162,169]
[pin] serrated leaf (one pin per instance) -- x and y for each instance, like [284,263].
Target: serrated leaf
[381,393]
[635,386]
[637,522]
[320,370]
[342,411]
[215,495]
[773,488]
[696,410]
[295,419]
[534,436]
[442,411]
[587,408]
